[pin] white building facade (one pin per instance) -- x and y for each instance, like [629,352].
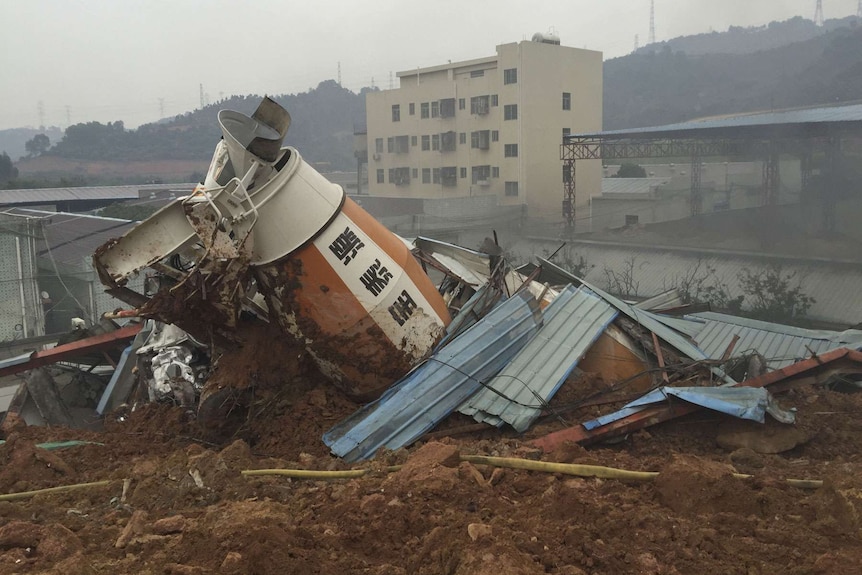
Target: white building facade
[490,126]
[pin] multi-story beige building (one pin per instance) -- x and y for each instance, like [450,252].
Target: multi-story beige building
[488,126]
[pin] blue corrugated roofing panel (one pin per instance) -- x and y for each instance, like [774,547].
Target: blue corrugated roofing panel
[780,345]
[652,322]
[743,402]
[572,322]
[437,387]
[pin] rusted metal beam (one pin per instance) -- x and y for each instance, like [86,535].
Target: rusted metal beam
[660,357]
[74,349]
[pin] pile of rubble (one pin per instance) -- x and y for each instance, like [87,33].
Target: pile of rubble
[282,314]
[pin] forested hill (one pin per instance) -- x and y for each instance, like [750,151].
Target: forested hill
[663,86]
[321,128]
[747,40]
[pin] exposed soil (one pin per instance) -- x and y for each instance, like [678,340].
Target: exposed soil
[188,509]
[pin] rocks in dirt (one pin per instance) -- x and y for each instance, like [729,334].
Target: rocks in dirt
[691,485]
[434,467]
[768,438]
[169,525]
[52,542]
[20,534]
[133,528]
[478,531]
[232,563]
[746,459]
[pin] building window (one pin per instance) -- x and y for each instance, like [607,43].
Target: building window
[378,145]
[480,139]
[424,110]
[510,76]
[435,143]
[510,151]
[494,100]
[412,109]
[415,173]
[495,172]
[462,138]
[399,176]
[481,175]
[479,105]
[426,143]
[380,173]
[511,189]
[390,144]
[401,145]
[413,140]
[435,109]
[631,220]
[426,175]
[447,141]
[449,176]
[396,113]
[462,103]
[567,100]
[447,108]
[510,112]
[495,135]
[477,73]
[463,172]
[435,175]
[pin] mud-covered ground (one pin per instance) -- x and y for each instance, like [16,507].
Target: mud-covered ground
[187,509]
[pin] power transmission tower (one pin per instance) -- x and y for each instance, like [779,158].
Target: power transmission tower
[390,80]
[68,116]
[859,9]
[637,43]
[339,73]
[161,108]
[41,108]
[818,13]
[202,95]
[652,22]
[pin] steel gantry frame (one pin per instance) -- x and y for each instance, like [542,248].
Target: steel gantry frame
[603,148]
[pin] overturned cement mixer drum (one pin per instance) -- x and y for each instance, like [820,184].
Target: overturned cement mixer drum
[265,221]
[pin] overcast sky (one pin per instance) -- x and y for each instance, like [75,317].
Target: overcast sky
[127,60]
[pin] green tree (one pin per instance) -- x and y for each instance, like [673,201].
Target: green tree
[628,170]
[37,145]
[774,295]
[7,170]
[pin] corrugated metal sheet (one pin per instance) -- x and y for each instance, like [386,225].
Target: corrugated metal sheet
[781,345]
[836,287]
[437,387]
[573,321]
[743,402]
[52,195]
[823,115]
[651,322]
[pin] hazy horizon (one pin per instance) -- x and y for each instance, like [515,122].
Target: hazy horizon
[136,61]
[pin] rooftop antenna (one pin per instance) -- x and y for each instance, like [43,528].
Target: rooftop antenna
[818,13]
[652,21]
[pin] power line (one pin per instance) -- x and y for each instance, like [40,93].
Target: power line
[652,21]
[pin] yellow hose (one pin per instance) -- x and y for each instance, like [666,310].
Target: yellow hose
[26,494]
[314,474]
